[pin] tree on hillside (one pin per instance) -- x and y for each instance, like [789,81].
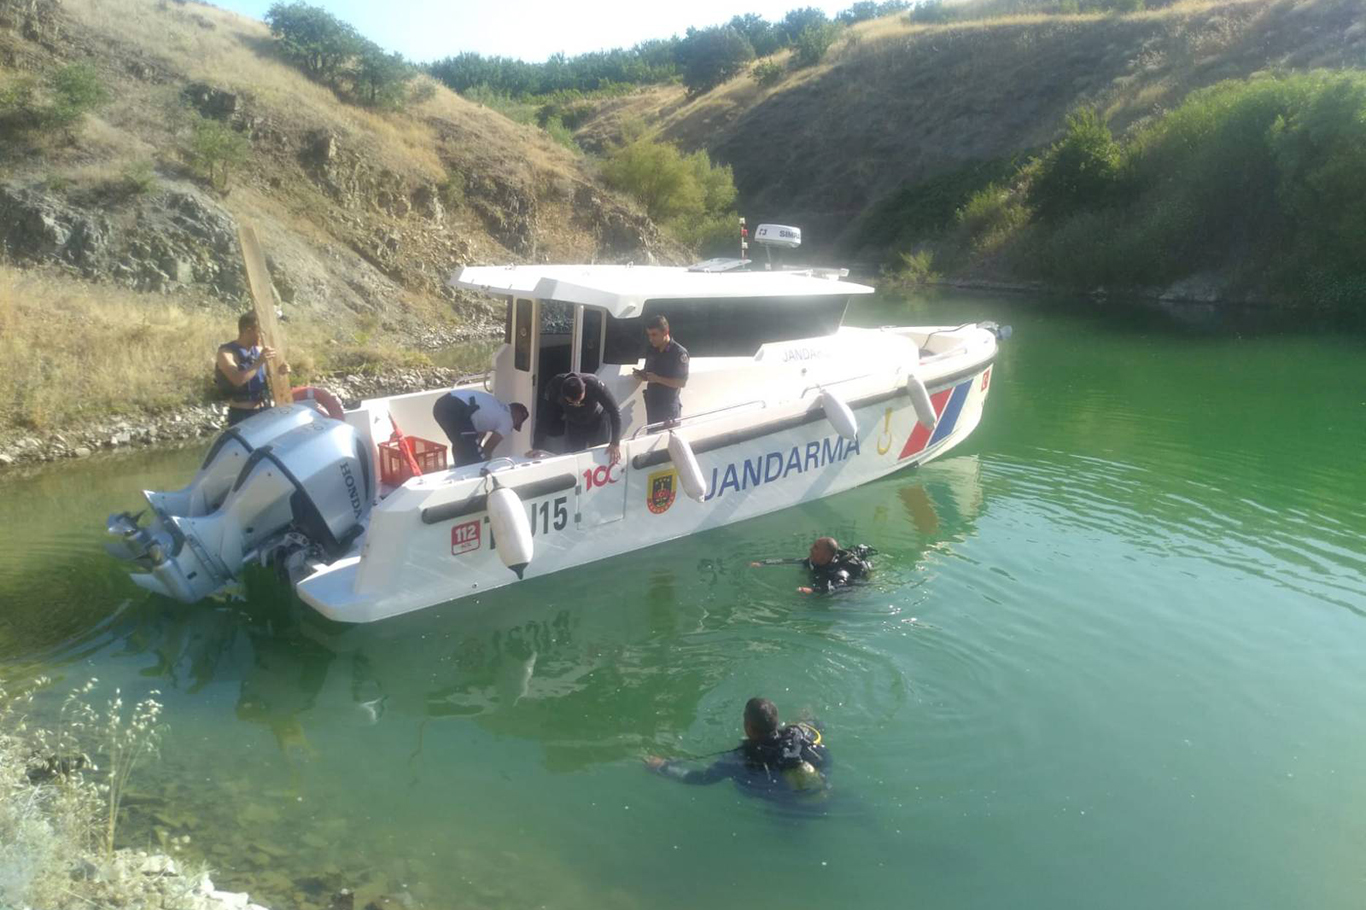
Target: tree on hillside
[710,56]
[799,20]
[313,38]
[215,149]
[764,36]
[870,9]
[381,78]
[812,43]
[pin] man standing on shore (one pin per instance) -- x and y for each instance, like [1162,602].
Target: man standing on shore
[666,371]
[240,371]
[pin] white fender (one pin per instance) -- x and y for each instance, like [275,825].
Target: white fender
[685,462]
[920,400]
[839,415]
[510,528]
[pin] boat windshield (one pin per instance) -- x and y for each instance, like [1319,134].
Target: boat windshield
[726,327]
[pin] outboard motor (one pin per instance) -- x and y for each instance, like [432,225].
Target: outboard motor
[310,487]
[224,462]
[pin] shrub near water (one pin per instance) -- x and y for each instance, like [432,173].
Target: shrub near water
[687,194]
[1261,181]
[1265,178]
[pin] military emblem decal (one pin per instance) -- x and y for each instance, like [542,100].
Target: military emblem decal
[662,491]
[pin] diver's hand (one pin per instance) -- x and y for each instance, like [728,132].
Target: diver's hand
[755,565]
[805,590]
[654,762]
[614,453]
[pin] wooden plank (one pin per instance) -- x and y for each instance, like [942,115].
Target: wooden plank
[263,302]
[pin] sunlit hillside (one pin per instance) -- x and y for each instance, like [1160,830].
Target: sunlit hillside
[895,103]
[364,212]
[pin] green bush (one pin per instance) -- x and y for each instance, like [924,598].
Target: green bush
[556,130]
[215,149]
[515,109]
[991,217]
[76,89]
[686,194]
[767,72]
[452,190]
[1259,179]
[19,105]
[1081,169]
[812,43]
[913,269]
[657,176]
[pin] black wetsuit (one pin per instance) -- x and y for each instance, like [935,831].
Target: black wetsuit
[772,768]
[840,573]
[661,401]
[595,422]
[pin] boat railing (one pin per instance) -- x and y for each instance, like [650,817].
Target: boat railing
[944,355]
[695,418]
[826,385]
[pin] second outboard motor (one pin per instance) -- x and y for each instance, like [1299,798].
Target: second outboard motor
[228,454]
[314,481]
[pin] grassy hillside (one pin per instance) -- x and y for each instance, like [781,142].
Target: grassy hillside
[364,213]
[897,105]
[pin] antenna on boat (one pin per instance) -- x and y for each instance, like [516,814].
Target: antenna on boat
[780,235]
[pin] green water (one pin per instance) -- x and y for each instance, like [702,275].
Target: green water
[1114,656]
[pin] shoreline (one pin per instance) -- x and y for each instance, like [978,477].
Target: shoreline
[186,425]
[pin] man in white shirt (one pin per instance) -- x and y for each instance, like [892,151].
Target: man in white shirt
[467,415]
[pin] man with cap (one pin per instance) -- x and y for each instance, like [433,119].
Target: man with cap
[581,408]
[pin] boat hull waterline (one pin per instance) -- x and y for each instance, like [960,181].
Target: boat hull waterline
[431,542]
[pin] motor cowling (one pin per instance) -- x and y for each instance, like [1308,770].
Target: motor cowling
[225,459]
[314,480]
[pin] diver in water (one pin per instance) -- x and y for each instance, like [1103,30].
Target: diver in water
[772,760]
[832,569]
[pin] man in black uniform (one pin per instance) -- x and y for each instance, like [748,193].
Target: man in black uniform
[832,569]
[581,408]
[772,761]
[666,371]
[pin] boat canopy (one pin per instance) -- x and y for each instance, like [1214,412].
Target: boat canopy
[622,290]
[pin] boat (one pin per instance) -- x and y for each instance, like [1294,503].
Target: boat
[784,405]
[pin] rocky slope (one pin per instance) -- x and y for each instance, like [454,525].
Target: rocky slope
[355,204]
[896,103]
[364,214]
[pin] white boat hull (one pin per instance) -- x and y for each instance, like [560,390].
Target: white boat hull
[430,541]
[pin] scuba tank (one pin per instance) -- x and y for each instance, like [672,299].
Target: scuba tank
[797,755]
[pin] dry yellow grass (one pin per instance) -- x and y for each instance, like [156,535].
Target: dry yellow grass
[79,351]
[207,44]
